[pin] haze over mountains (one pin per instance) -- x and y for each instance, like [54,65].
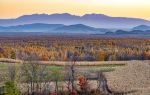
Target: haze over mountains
[71,24]
[142,28]
[138,30]
[54,28]
[93,20]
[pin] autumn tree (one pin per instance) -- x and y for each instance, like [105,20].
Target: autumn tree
[102,55]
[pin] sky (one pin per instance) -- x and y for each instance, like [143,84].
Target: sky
[116,8]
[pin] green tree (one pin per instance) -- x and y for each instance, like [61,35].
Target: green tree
[13,55]
[11,88]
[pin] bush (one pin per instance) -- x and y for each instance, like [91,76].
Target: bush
[11,88]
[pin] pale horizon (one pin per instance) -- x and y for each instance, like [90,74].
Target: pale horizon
[114,8]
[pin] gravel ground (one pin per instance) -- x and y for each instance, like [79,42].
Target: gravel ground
[133,78]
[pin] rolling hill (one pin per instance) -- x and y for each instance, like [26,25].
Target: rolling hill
[142,28]
[53,28]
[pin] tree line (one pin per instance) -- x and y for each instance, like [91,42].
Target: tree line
[61,49]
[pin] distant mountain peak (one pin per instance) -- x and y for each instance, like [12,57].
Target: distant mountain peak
[79,25]
[93,20]
[142,27]
[95,15]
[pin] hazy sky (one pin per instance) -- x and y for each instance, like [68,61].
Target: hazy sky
[123,8]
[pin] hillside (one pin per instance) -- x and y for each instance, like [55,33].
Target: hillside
[53,28]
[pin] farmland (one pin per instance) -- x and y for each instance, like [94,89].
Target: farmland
[74,65]
[117,82]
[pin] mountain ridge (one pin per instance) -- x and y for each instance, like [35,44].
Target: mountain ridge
[53,28]
[141,27]
[94,20]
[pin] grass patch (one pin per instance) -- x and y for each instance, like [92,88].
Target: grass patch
[105,69]
[3,66]
[55,68]
[110,65]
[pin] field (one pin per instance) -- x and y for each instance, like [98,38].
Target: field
[63,65]
[121,78]
[80,67]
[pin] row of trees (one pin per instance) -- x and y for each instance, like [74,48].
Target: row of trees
[98,55]
[87,50]
[31,78]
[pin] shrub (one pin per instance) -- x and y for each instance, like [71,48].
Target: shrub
[11,88]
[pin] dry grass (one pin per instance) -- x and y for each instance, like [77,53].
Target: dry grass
[132,77]
[79,63]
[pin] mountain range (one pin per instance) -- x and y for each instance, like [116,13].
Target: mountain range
[133,32]
[69,29]
[54,28]
[93,20]
[142,28]
[41,24]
